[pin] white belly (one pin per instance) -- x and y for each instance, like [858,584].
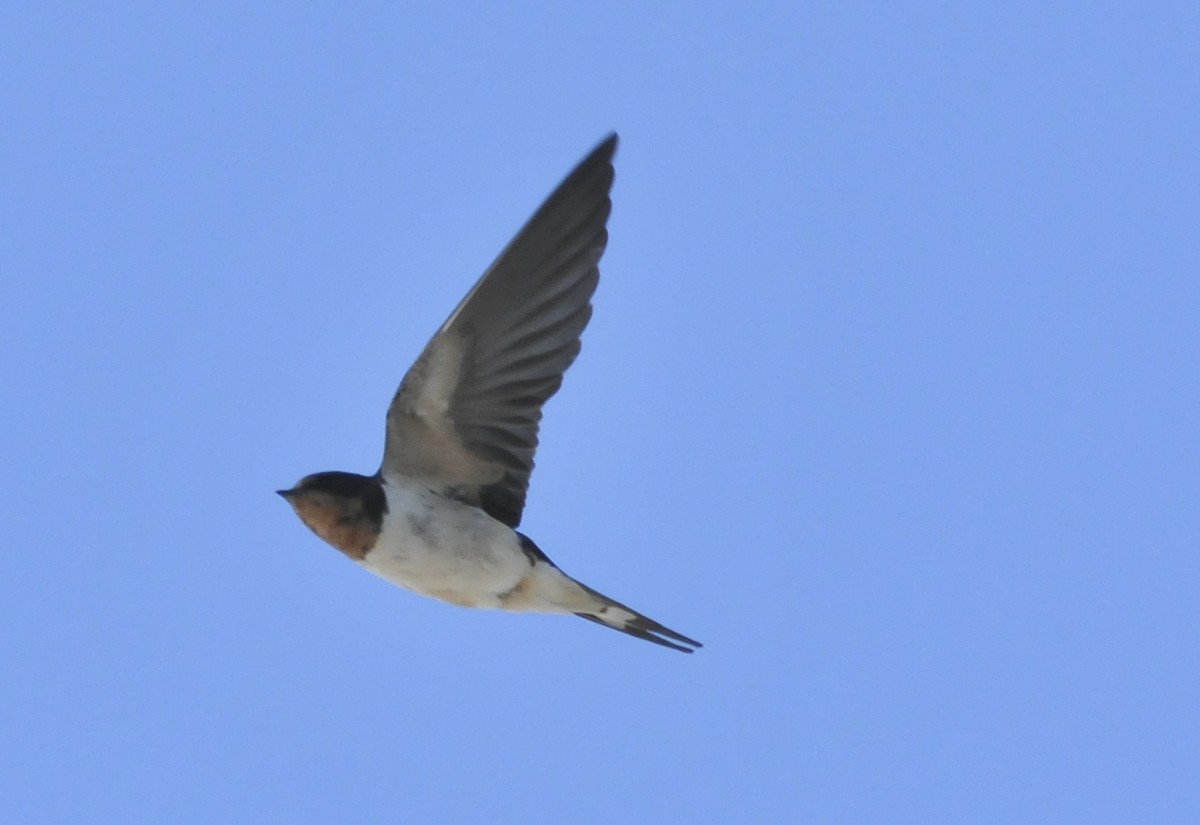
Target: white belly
[446,550]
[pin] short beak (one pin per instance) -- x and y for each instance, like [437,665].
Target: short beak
[285,493]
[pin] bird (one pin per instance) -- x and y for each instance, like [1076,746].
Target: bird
[440,516]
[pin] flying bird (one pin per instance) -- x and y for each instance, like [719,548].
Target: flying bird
[440,516]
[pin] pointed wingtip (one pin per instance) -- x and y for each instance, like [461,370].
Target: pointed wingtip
[607,147]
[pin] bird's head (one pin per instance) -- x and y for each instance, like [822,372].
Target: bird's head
[344,509]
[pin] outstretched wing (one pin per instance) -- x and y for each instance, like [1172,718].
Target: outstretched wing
[465,418]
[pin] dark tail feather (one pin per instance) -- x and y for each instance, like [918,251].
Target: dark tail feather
[619,617]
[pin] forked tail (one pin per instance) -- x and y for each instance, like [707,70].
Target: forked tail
[619,617]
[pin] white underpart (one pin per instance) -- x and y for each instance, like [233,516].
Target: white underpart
[457,553]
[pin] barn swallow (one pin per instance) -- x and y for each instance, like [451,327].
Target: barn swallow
[440,516]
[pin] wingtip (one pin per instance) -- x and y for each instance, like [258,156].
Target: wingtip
[606,147]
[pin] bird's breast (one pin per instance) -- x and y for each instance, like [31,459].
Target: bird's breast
[445,549]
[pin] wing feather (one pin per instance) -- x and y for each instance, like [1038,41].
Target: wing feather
[466,415]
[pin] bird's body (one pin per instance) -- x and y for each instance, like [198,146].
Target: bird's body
[440,516]
[445,549]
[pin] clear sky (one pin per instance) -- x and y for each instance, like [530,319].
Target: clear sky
[890,398]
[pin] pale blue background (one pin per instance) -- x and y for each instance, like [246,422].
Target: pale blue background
[890,398]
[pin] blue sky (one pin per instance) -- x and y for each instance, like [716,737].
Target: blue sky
[889,398]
